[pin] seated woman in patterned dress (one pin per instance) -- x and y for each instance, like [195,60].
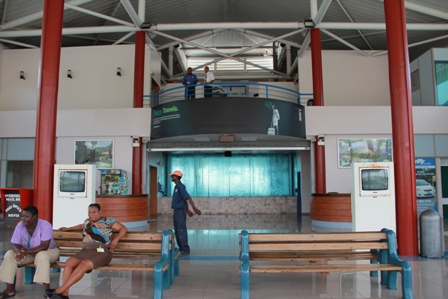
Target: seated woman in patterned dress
[97,250]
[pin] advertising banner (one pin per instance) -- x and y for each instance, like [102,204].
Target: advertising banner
[235,115]
[425,175]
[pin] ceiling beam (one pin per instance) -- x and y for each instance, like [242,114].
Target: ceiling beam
[306,43]
[2,40]
[95,14]
[166,69]
[257,34]
[425,10]
[351,20]
[111,29]
[35,16]
[227,25]
[254,40]
[249,48]
[380,26]
[68,31]
[131,12]
[291,25]
[322,11]
[142,10]
[214,51]
[193,37]
[5,11]
[344,42]
[124,38]
[150,42]
[274,39]
[415,44]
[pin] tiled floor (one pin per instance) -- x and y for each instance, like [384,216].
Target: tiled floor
[211,271]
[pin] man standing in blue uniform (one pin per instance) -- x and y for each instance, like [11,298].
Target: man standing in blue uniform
[189,80]
[180,205]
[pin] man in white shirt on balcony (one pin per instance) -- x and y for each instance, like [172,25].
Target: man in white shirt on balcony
[208,79]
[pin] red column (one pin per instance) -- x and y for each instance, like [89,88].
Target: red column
[318,95]
[316,62]
[139,75]
[402,127]
[45,144]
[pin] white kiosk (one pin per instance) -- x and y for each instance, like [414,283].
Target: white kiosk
[373,196]
[74,191]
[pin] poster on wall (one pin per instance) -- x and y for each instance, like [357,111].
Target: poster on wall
[351,150]
[425,174]
[97,152]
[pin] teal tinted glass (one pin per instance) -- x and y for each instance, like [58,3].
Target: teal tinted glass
[213,175]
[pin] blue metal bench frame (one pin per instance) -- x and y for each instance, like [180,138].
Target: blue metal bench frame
[388,278]
[163,277]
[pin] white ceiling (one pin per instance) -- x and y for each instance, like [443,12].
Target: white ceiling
[228,26]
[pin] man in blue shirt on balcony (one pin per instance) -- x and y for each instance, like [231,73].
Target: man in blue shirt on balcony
[189,80]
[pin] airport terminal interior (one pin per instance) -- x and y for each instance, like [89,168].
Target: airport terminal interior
[212,269]
[259,53]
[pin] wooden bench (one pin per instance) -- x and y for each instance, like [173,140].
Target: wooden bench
[379,248]
[134,245]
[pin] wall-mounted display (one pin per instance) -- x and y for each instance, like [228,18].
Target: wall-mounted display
[352,150]
[96,152]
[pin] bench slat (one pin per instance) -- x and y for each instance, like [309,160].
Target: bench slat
[128,267]
[130,236]
[121,245]
[310,256]
[315,237]
[316,246]
[322,268]
[117,253]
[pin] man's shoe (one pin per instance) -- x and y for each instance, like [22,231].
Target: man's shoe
[183,253]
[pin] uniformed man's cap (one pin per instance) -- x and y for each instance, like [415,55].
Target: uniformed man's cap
[177,173]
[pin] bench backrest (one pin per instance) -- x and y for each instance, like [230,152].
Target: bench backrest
[132,241]
[317,241]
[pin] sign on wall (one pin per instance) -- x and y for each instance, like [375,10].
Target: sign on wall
[351,150]
[235,115]
[12,204]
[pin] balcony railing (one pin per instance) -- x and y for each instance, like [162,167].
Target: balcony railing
[229,89]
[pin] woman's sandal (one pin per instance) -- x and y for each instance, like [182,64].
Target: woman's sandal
[49,293]
[58,296]
[4,295]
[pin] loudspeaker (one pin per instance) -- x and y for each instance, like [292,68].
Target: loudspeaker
[227,154]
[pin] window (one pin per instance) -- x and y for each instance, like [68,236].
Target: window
[415,80]
[441,68]
[240,175]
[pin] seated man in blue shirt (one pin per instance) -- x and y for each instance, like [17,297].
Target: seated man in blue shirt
[189,80]
[180,205]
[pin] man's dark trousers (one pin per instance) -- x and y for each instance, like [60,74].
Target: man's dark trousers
[180,229]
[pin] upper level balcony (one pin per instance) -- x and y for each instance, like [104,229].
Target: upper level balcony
[229,89]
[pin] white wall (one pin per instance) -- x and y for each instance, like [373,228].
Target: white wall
[93,124]
[367,122]
[94,85]
[15,93]
[349,78]
[120,124]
